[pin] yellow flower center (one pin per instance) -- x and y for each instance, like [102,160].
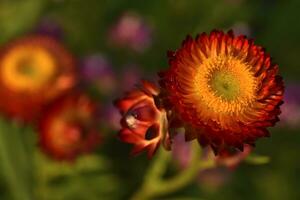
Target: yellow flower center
[224,85]
[27,68]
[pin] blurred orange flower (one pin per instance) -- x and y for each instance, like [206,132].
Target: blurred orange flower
[224,88]
[68,128]
[33,71]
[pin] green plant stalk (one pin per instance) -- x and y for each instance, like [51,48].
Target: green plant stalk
[154,172]
[154,185]
[13,177]
[40,189]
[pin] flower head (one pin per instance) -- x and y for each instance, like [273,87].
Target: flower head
[131,31]
[143,122]
[67,128]
[97,70]
[290,116]
[34,70]
[224,88]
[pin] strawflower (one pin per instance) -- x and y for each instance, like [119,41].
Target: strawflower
[224,88]
[68,128]
[34,70]
[143,122]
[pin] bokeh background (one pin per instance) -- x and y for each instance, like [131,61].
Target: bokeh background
[115,44]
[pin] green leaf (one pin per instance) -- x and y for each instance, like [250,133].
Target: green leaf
[18,16]
[257,159]
[86,178]
[15,160]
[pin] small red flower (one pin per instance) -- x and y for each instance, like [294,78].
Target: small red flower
[144,124]
[224,88]
[67,128]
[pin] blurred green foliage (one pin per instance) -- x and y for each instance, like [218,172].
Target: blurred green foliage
[18,16]
[111,173]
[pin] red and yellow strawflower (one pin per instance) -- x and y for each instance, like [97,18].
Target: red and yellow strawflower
[34,70]
[224,88]
[68,127]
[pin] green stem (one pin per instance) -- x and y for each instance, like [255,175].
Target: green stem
[155,186]
[186,176]
[154,172]
[40,189]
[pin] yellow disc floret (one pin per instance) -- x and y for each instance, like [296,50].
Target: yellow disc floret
[224,85]
[27,68]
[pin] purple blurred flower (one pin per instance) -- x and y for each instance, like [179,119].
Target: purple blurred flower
[49,27]
[215,178]
[132,32]
[241,28]
[97,70]
[181,150]
[130,76]
[291,108]
[112,117]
